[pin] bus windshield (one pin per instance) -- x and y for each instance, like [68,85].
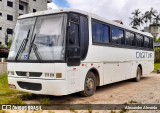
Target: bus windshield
[40,39]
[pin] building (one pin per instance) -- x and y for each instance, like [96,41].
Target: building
[154,29]
[11,9]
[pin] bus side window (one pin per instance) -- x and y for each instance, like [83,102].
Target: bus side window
[74,34]
[105,34]
[151,43]
[96,30]
[146,42]
[117,36]
[84,36]
[130,39]
[139,40]
[100,32]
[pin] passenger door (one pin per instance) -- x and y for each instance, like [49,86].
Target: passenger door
[73,42]
[73,53]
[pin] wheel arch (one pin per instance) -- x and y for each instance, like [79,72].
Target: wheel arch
[140,66]
[96,73]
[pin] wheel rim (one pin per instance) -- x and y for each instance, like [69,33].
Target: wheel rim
[90,84]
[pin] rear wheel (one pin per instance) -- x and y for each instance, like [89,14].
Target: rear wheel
[89,85]
[138,75]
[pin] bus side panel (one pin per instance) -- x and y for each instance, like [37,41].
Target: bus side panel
[85,68]
[111,59]
[134,69]
[120,63]
[73,74]
[127,69]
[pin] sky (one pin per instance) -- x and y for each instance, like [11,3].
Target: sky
[109,9]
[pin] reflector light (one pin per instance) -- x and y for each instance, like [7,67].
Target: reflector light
[12,86]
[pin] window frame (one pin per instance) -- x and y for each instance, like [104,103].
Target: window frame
[122,40]
[76,41]
[110,44]
[8,16]
[9,3]
[135,44]
[21,7]
[102,24]
[145,42]
[9,31]
[142,46]
[34,10]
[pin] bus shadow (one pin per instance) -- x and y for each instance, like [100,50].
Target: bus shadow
[70,99]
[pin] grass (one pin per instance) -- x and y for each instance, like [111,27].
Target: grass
[156,67]
[2,111]
[8,96]
[44,101]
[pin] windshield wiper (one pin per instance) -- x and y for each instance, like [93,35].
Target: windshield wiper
[23,45]
[35,49]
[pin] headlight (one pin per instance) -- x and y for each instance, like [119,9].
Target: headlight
[51,75]
[10,72]
[46,74]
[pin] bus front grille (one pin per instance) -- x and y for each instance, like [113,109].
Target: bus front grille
[28,74]
[30,86]
[19,73]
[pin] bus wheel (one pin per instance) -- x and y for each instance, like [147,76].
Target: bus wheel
[138,75]
[89,85]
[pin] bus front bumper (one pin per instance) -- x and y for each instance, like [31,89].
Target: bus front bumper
[39,86]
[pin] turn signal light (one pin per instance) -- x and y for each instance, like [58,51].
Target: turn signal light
[58,75]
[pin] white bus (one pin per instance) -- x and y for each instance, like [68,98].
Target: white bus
[59,52]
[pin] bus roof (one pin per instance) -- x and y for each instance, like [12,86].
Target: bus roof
[94,16]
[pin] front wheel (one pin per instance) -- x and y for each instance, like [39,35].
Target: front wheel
[89,85]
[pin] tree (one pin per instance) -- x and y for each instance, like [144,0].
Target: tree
[9,44]
[145,17]
[157,19]
[140,21]
[152,13]
[136,13]
[135,20]
[157,40]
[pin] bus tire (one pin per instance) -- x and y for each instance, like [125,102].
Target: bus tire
[89,85]
[138,74]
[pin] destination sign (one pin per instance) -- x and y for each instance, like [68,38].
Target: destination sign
[144,55]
